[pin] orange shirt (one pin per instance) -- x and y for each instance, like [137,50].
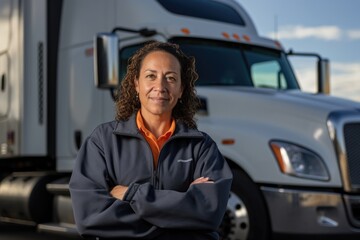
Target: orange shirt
[155,143]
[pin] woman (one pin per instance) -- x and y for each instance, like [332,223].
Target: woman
[151,174]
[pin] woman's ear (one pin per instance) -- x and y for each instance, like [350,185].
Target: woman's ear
[136,83]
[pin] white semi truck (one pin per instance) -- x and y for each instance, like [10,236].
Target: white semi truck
[295,156]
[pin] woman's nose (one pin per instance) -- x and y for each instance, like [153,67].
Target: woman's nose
[161,84]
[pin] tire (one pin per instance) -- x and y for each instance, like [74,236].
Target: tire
[246,217]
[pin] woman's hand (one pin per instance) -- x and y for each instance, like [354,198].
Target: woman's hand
[118,191]
[201,180]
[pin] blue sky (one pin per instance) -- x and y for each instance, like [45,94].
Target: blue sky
[330,28]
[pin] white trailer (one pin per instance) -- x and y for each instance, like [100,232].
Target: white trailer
[295,156]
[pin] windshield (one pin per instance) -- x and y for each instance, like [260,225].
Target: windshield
[229,64]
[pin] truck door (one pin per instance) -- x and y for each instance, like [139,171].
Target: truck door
[80,106]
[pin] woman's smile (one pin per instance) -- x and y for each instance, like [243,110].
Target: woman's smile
[159,99]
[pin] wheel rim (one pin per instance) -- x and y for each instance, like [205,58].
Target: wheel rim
[235,224]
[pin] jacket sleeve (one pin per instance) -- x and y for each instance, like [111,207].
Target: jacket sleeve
[96,212]
[201,207]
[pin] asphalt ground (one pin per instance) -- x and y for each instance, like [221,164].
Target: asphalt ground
[19,232]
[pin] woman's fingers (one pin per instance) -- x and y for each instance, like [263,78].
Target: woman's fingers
[201,180]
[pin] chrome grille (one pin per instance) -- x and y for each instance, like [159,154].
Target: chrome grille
[352,145]
[344,131]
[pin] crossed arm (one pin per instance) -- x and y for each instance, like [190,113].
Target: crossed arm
[119,190]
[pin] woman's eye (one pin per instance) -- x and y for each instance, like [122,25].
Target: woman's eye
[171,79]
[151,76]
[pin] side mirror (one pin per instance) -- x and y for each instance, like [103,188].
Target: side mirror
[323,76]
[323,70]
[106,60]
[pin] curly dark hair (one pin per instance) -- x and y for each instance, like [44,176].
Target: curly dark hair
[127,102]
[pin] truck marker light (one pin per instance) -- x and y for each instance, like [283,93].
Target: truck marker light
[186,31]
[228,141]
[278,44]
[226,35]
[236,36]
[246,38]
[89,52]
[278,151]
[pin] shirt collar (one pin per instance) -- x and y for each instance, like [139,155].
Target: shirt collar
[141,126]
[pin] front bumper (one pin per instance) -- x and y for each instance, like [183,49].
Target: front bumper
[311,212]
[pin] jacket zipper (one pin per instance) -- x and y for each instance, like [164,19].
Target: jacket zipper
[155,176]
[154,171]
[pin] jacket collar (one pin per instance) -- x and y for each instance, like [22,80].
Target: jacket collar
[130,128]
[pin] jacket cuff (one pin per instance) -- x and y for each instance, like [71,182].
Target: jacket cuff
[129,194]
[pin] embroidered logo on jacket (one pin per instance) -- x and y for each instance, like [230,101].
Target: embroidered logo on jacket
[184,160]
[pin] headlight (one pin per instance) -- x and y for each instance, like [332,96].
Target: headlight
[299,161]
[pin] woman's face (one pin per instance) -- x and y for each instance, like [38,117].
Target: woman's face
[159,84]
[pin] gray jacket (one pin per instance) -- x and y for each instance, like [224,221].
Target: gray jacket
[160,203]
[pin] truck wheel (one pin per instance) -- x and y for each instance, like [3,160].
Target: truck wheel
[246,216]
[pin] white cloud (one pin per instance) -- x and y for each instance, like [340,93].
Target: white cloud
[354,34]
[349,70]
[301,32]
[318,32]
[344,79]
[306,77]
